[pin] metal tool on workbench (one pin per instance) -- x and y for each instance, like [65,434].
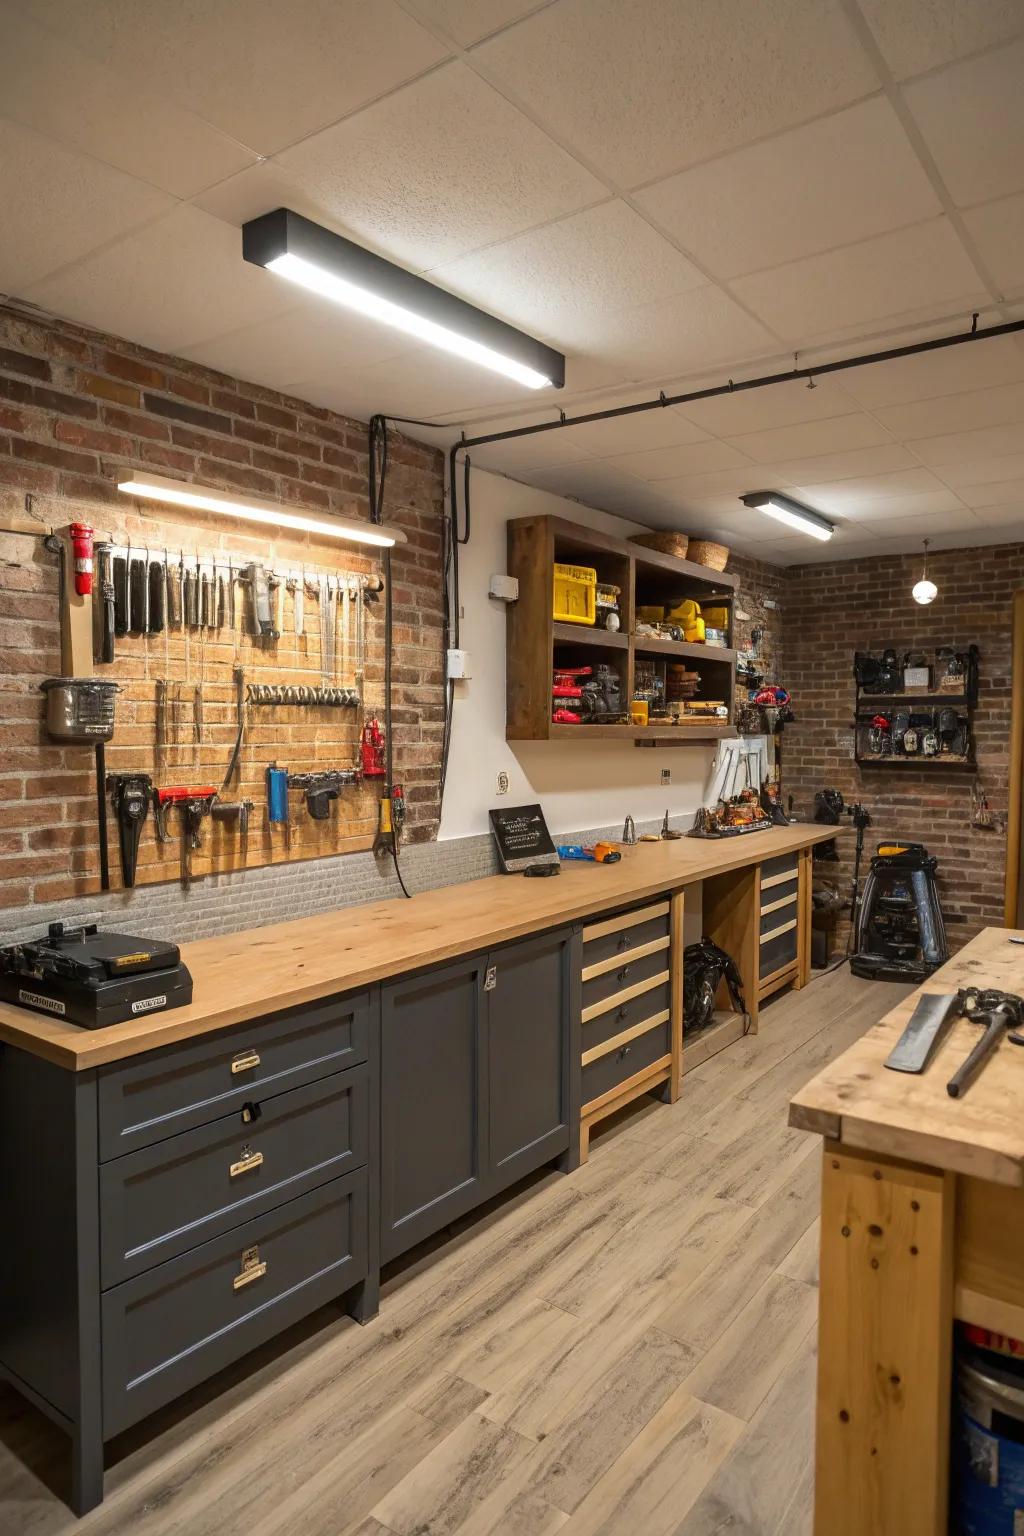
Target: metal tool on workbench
[935,1011]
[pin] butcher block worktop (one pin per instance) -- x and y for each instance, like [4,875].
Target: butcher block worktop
[246,975]
[861,1104]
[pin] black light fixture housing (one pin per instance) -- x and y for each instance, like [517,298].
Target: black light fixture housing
[785,510]
[328,264]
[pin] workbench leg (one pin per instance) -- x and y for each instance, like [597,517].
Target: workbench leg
[804,907]
[363,1301]
[885,1343]
[86,1468]
[675,960]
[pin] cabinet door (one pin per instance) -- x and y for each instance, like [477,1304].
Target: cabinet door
[433,1107]
[528,1055]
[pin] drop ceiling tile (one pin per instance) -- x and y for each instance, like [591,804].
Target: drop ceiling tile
[986,471]
[467,21]
[266,74]
[58,205]
[685,459]
[1010,518]
[547,450]
[900,273]
[916,35]
[952,413]
[106,114]
[998,231]
[437,170]
[996,494]
[759,410]
[810,438]
[819,186]
[658,428]
[839,466]
[900,482]
[980,365]
[602,486]
[554,280]
[961,447]
[722,483]
[170,286]
[959,521]
[643,88]
[972,119]
[309,338]
[678,335]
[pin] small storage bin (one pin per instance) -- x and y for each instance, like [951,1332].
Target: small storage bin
[575,594]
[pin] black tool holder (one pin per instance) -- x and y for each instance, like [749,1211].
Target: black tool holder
[900,934]
[130,794]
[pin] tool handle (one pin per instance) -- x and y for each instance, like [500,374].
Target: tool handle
[981,1052]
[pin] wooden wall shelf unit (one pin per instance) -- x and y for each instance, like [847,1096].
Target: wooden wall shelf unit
[536,643]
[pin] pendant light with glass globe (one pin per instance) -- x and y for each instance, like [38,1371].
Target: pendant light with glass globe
[925,591]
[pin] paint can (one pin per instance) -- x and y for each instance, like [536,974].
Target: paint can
[988,1446]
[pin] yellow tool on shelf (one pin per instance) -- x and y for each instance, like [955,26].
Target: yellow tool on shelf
[575,594]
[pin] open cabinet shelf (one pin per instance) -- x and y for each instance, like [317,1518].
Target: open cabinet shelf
[537,643]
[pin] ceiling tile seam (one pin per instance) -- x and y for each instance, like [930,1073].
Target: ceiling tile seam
[849,245]
[962,58]
[919,146]
[107,245]
[622,193]
[429,24]
[86,154]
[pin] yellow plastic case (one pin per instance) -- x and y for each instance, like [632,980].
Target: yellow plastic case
[575,594]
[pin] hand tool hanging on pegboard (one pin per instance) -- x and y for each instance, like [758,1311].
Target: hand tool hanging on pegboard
[259,586]
[157,584]
[321,789]
[174,575]
[81,709]
[194,802]
[277,801]
[103,605]
[301,693]
[233,769]
[296,586]
[234,813]
[120,579]
[138,595]
[130,795]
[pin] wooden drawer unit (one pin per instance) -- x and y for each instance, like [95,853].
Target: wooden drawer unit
[631,1008]
[652,1049]
[169,1329]
[157,1095]
[786,863]
[783,921]
[778,947]
[161,1200]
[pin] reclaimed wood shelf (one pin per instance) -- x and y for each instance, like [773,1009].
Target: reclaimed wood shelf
[536,643]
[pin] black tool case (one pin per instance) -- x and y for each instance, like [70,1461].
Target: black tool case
[92,978]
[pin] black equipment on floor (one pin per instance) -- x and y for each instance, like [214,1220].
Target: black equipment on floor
[705,967]
[899,931]
[94,978]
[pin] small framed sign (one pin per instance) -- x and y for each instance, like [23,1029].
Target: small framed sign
[522,838]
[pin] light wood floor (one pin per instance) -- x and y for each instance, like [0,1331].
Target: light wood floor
[625,1352]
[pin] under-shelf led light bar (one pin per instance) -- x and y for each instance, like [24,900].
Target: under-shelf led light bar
[182,493]
[784,510]
[328,264]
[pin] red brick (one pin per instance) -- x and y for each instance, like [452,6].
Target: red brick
[109,389]
[136,425]
[19,362]
[137,373]
[90,437]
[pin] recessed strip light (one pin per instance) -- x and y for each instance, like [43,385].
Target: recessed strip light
[181,493]
[337,269]
[784,510]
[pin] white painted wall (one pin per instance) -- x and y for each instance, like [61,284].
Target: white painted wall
[579,784]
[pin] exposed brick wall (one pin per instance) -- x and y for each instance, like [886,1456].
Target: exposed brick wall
[832,611]
[759,582]
[76,409]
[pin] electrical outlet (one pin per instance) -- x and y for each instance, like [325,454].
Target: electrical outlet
[502,785]
[666,775]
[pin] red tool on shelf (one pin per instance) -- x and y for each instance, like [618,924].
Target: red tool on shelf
[373,751]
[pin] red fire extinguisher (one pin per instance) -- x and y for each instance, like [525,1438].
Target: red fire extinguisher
[81,547]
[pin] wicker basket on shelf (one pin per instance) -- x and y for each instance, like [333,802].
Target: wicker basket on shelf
[665,541]
[704,552]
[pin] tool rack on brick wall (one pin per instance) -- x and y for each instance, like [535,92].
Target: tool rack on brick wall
[914,710]
[688,686]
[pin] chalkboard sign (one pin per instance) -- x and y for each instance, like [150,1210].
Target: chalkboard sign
[522,838]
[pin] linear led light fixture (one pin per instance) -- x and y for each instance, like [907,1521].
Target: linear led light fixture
[784,510]
[334,267]
[182,493]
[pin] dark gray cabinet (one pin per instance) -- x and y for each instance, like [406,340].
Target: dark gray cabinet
[476,1088]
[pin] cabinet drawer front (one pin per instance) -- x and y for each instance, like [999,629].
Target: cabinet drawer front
[777,952]
[164,1092]
[628,930]
[609,1071]
[162,1200]
[605,1026]
[778,888]
[176,1325]
[786,863]
[778,913]
[626,970]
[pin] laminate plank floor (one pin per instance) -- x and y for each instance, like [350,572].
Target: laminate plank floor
[625,1352]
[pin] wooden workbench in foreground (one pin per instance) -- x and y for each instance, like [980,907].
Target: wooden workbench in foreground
[245,975]
[922,1222]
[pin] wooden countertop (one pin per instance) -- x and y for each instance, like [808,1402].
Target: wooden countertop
[244,975]
[861,1103]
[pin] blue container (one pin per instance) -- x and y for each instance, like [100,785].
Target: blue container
[988,1448]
